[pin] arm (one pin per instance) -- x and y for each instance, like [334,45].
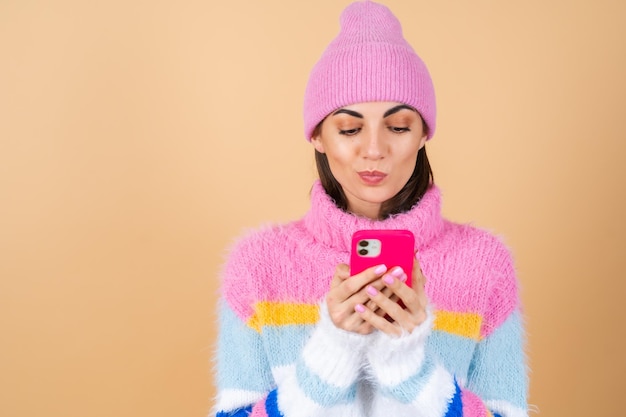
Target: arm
[243,375]
[498,372]
[322,381]
[412,379]
[324,378]
[315,371]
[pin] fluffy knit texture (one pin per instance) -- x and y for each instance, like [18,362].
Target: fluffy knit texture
[279,353]
[369,60]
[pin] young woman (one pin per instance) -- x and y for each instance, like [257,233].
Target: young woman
[299,336]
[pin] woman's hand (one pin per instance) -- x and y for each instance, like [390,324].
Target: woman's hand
[346,292]
[391,317]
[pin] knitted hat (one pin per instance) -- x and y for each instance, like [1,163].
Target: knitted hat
[368,61]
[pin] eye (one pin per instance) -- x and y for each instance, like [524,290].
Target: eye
[396,129]
[349,132]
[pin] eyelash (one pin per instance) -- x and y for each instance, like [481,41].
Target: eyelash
[349,132]
[393,129]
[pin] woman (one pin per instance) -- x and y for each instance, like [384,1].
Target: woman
[299,336]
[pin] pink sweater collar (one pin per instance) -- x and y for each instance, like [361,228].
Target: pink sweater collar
[334,227]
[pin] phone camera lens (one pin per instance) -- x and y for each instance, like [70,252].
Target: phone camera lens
[363,243]
[363,252]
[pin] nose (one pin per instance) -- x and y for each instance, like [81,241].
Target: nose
[373,146]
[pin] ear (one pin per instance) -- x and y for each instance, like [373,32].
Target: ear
[316,141]
[423,140]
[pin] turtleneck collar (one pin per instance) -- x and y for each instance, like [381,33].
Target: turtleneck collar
[333,227]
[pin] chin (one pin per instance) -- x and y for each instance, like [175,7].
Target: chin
[377,196]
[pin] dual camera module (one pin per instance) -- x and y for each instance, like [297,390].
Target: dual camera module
[368,248]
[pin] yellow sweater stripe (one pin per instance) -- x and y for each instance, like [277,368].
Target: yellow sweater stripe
[267,313]
[460,324]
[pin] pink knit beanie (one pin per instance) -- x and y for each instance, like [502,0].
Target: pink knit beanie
[368,61]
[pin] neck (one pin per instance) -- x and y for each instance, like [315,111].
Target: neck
[334,227]
[365,209]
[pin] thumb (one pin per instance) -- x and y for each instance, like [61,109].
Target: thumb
[342,271]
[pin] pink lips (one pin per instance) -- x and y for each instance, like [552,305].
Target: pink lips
[372,177]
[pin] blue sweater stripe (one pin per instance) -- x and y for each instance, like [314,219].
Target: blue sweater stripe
[241,349]
[455,408]
[320,391]
[283,339]
[493,379]
[408,390]
[242,412]
[271,404]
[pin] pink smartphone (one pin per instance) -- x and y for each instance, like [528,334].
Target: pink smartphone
[389,247]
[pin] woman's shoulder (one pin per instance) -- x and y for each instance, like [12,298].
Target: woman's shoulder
[474,254]
[254,247]
[471,239]
[268,235]
[251,261]
[476,269]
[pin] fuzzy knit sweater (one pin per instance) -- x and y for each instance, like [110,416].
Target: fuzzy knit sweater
[279,354]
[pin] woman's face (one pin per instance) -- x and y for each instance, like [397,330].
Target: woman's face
[371,150]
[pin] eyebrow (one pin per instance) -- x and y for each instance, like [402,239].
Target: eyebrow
[387,113]
[350,112]
[397,109]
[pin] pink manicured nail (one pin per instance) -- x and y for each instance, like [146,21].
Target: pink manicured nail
[388,279]
[359,308]
[397,272]
[404,277]
[381,269]
[371,290]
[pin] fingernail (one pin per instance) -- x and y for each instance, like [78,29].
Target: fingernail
[404,277]
[380,269]
[371,290]
[397,272]
[359,308]
[388,279]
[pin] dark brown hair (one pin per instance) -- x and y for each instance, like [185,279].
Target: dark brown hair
[415,188]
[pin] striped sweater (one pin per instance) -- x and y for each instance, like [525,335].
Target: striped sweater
[279,354]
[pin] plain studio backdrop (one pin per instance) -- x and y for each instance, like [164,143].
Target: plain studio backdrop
[139,138]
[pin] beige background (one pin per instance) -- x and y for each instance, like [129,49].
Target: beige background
[138,139]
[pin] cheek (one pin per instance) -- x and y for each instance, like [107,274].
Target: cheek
[341,165]
[341,154]
[337,164]
[408,166]
[407,160]
[409,152]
